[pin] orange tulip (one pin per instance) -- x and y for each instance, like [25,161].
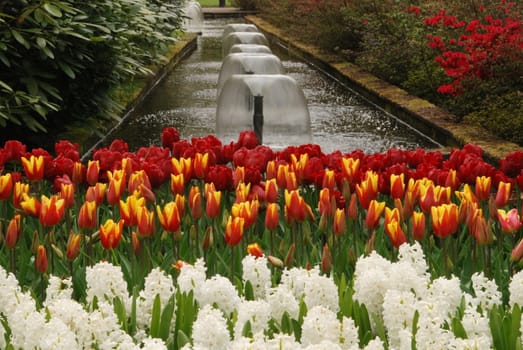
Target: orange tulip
[111,233]
[326,259]
[41,259]
[129,209]
[374,214]
[200,165]
[6,186]
[483,186]
[392,215]
[367,189]
[73,246]
[418,225]
[145,221]
[397,185]
[503,194]
[270,170]
[180,204]
[33,167]
[234,230]
[442,195]
[137,181]
[96,193]
[51,210]
[349,169]
[87,216]
[19,190]
[238,175]
[116,186]
[30,205]
[212,208]
[169,217]
[395,233]
[195,202]
[427,198]
[247,210]
[340,223]
[177,184]
[298,166]
[254,250]
[67,194]
[93,172]
[510,221]
[452,180]
[271,191]
[286,178]
[482,230]
[272,216]
[183,166]
[444,219]
[13,231]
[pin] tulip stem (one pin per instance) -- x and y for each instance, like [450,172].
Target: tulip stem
[12,260]
[232,263]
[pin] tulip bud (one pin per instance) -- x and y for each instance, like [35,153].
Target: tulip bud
[208,238]
[517,252]
[73,246]
[326,260]
[13,231]
[275,261]
[41,259]
[289,259]
[135,242]
[57,251]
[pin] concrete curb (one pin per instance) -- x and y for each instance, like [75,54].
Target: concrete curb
[421,114]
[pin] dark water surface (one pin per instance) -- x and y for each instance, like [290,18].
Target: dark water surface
[186,99]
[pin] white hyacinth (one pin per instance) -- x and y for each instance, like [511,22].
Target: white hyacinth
[72,313]
[375,344]
[349,334]
[105,282]
[321,291]
[281,300]
[477,326]
[256,271]
[220,291]
[516,289]
[58,289]
[295,279]
[209,330]
[192,278]
[256,312]
[159,283]
[320,324]
[486,290]
[398,314]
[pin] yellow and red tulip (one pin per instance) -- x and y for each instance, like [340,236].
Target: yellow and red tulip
[116,187]
[177,184]
[483,186]
[272,216]
[96,193]
[129,209]
[212,207]
[329,179]
[169,217]
[325,203]
[340,223]
[6,186]
[444,219]
[13,231]
[367,189]
[145,221]
[111,233]
[92,173]
[195,202]
[234,230]
[254,249]
[30,205]
[78,175]
[296,209]
[395,233]
[19,190]
[418,225]
[67,192]
[374,212]
[503,194]
[349,168]
[183,166]
[271,191]
[51,210]
[33,167]
[87,215]
[397,185]
[200,165]
[73,246]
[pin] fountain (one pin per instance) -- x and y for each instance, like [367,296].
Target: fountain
[242,38]
[248,63]
[286,119]
[239,27]
[252,48]
[193,16]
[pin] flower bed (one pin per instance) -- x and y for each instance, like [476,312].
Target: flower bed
[199,245]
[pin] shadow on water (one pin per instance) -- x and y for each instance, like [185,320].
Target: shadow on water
[186,99]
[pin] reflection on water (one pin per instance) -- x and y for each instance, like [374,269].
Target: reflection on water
[186,99]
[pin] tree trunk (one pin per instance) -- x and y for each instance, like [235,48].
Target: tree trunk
[222,3]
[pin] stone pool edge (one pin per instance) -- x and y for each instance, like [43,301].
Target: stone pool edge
[421,114]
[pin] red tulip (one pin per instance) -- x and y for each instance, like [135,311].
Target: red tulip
[503,194]
[92,172]
[272,216]
[255,250]
[397,185]
[195,202]
[13,231]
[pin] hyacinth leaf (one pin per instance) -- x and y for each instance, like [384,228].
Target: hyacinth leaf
[166,319]
[380,329]
[457,328]
[286,323]
[119,310]
[248,292]
[415,321]
[155,317]
[247,330]
[132,321]
[186,313]
[182,339]
[504,326]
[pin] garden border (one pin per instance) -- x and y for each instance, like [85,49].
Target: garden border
[421,114]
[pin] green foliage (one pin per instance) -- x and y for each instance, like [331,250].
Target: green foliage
[60,58]
[502,115]
[244,4]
